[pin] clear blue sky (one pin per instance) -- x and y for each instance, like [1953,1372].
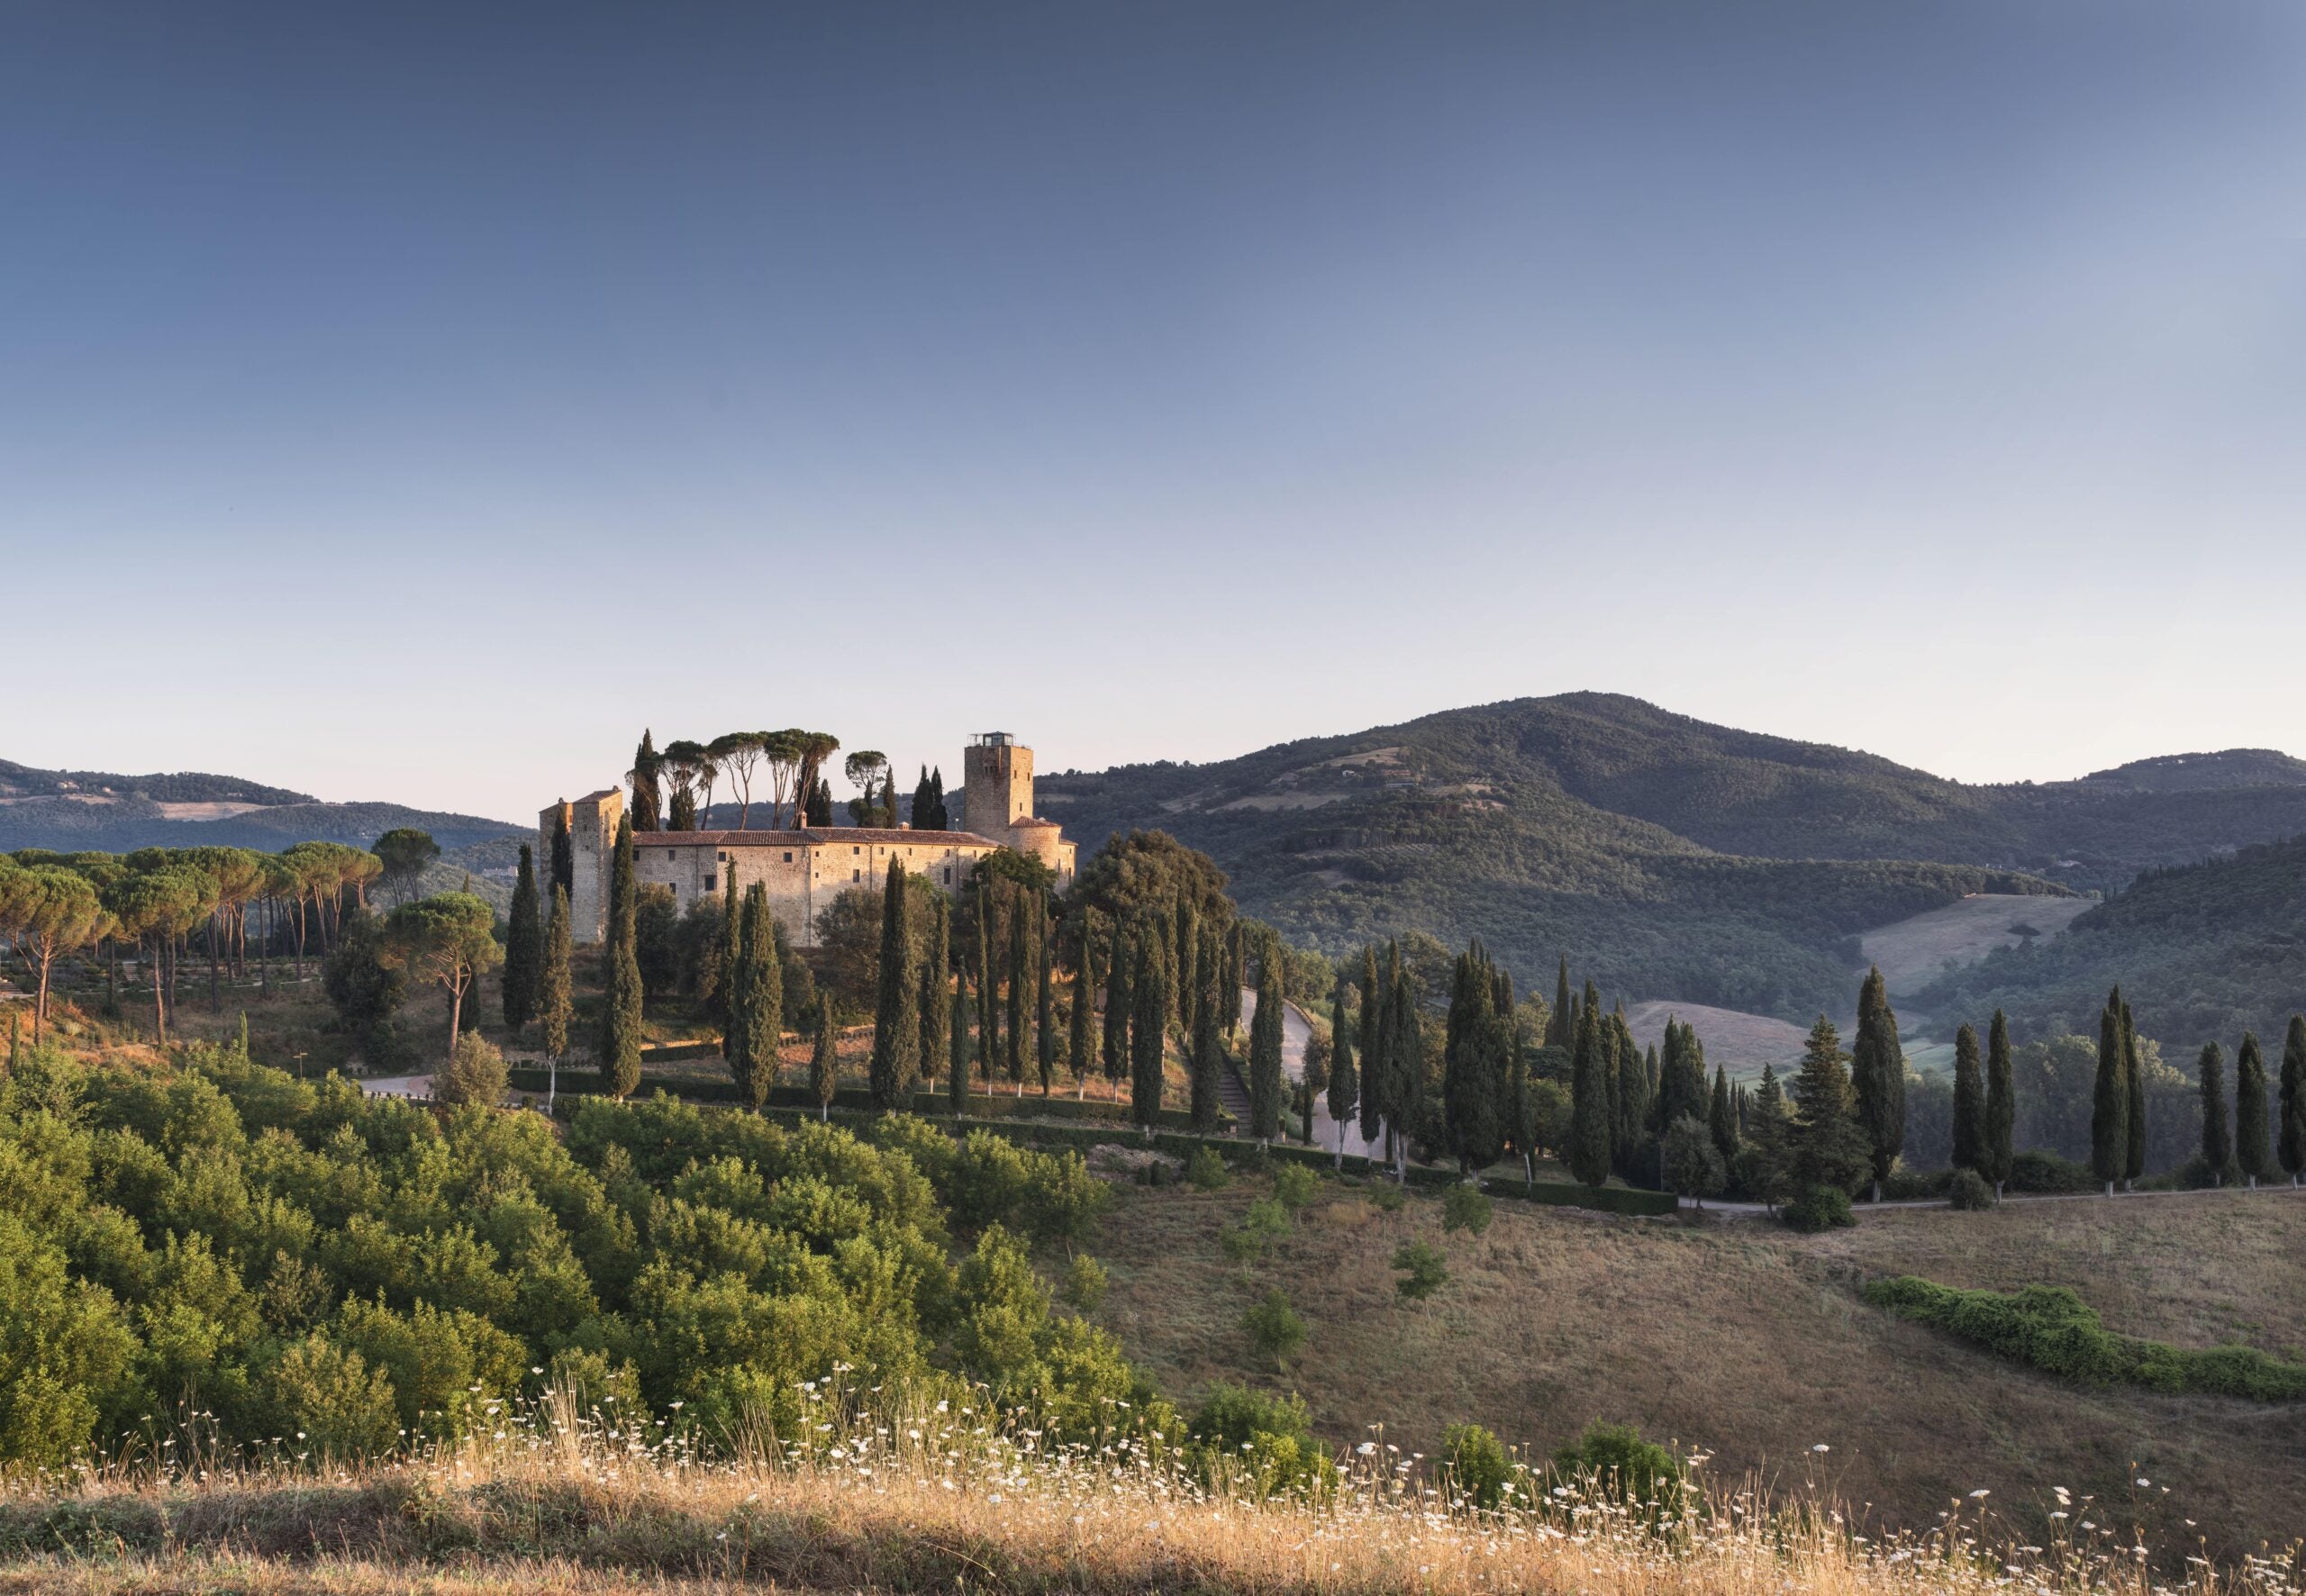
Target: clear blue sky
[414,402]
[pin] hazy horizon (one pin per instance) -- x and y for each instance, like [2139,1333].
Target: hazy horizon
[414,403]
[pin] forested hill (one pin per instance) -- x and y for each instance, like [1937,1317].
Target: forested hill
[2202,951]
[1677,858]
[76,810]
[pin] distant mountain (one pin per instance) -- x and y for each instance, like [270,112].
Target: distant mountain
[2203,772]
[1671,857]
[77,810]
[2202,952]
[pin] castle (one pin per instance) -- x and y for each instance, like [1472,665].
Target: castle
[806,869]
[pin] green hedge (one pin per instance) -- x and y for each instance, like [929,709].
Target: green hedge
[2050,1329]
[930,1104]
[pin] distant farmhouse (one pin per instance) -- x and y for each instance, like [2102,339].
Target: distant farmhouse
[806,869]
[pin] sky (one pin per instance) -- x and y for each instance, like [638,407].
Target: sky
[413,403]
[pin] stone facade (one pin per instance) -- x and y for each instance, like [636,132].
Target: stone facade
[805,869]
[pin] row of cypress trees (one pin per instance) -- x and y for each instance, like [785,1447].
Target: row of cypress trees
[2237,1143]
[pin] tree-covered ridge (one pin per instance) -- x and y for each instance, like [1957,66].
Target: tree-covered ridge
[292,1259]
[2208,949]
[182,787]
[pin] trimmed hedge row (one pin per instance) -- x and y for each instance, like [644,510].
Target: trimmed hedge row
[932,1105]
[2051,1328]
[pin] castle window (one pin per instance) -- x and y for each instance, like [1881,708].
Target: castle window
[788,856]
[672,853]
[948,875]
[857,875]
[711,881]
[855,850]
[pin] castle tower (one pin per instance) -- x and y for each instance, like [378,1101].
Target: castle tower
[999,788]
[592,835]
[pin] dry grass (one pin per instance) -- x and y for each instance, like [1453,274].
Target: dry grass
[949,1500]
[1737,1335]
[1914,952]
[1739,1042]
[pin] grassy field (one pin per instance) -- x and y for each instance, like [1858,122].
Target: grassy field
[1914,952]
[1751,1342]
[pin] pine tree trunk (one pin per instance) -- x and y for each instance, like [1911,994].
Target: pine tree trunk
[456,1016]
[159,1010]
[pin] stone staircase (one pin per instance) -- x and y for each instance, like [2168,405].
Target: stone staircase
[1233,1093]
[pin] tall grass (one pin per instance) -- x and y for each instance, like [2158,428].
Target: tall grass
[952,1497]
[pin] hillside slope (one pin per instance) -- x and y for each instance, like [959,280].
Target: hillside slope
[76,809]
[2202,952]
[1672,859]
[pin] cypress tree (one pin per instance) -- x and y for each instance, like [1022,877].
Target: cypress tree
[1829,1148]
[1237,976]
[897,1021]
[1589,1098]
[1188,951]
[732,916]
[2110,1100]
[648,805]
[1147,1027]
[738,1014]
[1345,1084]
[1629,1094]
[619,1044]
[1770,1128]
[564,854]
[936,985]
[824,1067]
[1721,1116]
[2252,1145]
[1878,1078]
[988,992]
[1020,975]
[1268,1096]
[524,947]
[2134,1112]
[2000,1105]
[1081,1038]
[1559,1033]
[1969,1103]
[2291,1143]
[924,804]
[757,1005]
[957,1067]
[2217,1134]
[1473,1065]
[1208,1056]
[1117,1007]
[554,991]
[1373,1108]
[1044,1004]
[820,805]
[1405,1061]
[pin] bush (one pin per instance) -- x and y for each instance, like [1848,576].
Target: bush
[1820,1208]
[1270,1438]
[1275,1330]
[1265,1223]
[1294,1186]
[1969,1192]
[1206,1169]
[1478,1469]
[1423,1269]
[2038,1172]
[1386,1197]
[1084,1284]
[1909,1185]
[2051,1328]
[474,1073]
[1613,1461]
[1466,1206]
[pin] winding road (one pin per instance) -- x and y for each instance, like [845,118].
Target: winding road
[1295,1032]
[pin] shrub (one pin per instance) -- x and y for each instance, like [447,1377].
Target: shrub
[1294,1186]
[1265,1223]
[1423,1270]
[1267,1438]
[1386,1197]
[1478,1469]
[1275,1330]
[1612,1460]
[1084,1284]
[1206,1169]
[2037,1172]
[1911,1185]
[1969,1192]
[2051,1328]
[1820,1208]
[474,1073]
[1466,1206]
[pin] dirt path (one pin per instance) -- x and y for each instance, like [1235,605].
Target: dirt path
[1295,1032]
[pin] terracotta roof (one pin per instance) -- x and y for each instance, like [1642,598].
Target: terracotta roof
[1026,820]
[826,836]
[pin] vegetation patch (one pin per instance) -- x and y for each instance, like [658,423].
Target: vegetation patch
[2050,1328]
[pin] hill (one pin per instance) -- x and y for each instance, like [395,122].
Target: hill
[1675,859]
[1913,953]
[76,810]
[1752,1342]
[2202,951]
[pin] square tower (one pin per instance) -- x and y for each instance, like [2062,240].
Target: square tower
[999,784]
